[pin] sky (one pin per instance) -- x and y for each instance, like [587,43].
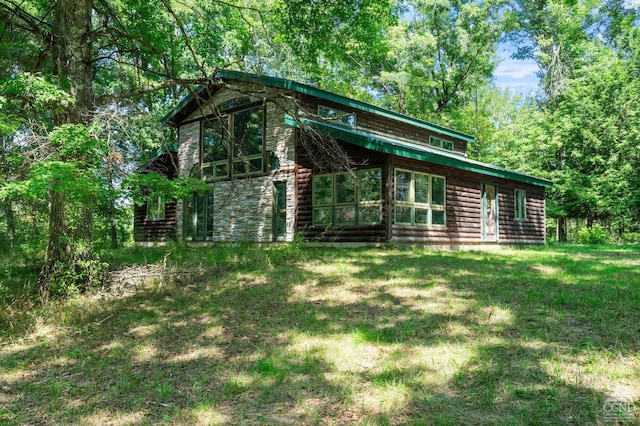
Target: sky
[520,76]
[516,75]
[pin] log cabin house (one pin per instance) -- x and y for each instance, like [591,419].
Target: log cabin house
[267,148]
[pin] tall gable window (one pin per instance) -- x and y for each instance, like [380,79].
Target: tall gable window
[520,198]
[348,198]
[233,143]
[337,116]
[441,143]
[419,198]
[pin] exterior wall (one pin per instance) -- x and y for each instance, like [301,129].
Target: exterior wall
[464,210]
[358,233]
[243,207]
[463,207]
[386,126]
[154,230]
[145,230]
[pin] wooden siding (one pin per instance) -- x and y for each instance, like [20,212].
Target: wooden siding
[155,230]
[304,213]
[463,207]
[145,230]
[387,126]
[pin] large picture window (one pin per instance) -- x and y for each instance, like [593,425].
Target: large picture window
[233,144]
[419,198]
[353,198]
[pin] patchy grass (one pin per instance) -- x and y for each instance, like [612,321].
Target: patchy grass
[319,336]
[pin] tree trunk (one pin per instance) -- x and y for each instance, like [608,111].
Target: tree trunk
[68,255]
[11,222]
[114,225]
[561,231]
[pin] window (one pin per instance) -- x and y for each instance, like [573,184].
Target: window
[233,144]
[198,217]
[419,198]
[520,198]
[353,198]
[337,116]
[215,148]
[155,208]
[441,143]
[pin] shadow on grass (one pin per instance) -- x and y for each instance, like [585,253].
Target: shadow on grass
[342,337]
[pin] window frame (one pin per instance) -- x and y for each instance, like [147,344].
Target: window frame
[519,214]
[156,204]
[234,160]
[438,142]
[199,208]
[414,206]
[356,203]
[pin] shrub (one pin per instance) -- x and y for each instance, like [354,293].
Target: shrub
[592,235]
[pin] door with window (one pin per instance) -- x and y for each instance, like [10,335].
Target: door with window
[279,211]
[198,217]
[489,212]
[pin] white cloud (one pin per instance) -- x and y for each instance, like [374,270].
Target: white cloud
[516,75]
[516,69]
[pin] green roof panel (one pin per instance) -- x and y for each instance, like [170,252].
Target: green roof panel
[414,151]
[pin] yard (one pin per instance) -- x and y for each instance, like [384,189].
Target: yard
[294,335]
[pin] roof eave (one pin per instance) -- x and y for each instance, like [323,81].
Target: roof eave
[421,153]
[321,94]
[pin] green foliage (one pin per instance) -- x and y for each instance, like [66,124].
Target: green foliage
[439,56]
[68,279]
[142,186]
[592,235]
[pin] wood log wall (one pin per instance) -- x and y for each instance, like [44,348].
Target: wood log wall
[145,230]
[463,207]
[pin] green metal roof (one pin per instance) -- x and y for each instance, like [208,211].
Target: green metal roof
[319,93]
[417,152]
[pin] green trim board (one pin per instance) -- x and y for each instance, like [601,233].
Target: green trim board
[321,94]
[414,151]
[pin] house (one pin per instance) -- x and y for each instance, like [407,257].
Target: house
[285,159]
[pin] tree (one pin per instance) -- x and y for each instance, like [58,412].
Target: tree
[442,52]
[93,54]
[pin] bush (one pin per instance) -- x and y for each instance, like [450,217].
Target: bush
[631,237]
[592,235]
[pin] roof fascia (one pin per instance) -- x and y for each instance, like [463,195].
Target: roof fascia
[321,94]
[416,152]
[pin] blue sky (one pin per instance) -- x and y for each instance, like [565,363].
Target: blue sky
[520,76]
[517,75]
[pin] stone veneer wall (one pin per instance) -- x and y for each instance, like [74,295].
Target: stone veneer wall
[244,207]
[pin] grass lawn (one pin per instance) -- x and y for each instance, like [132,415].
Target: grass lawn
[325,336]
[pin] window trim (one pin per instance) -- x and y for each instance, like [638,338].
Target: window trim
[440,143]
[357,204]
[411,202]
[517,214]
